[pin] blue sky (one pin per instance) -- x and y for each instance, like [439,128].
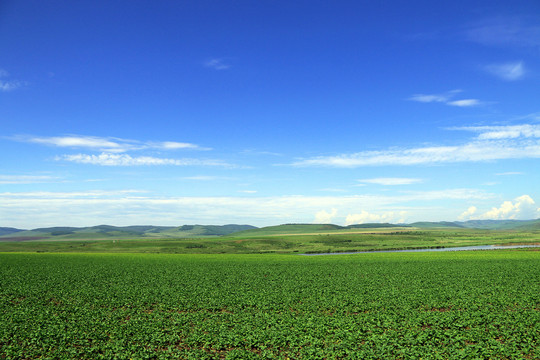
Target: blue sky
[268,112]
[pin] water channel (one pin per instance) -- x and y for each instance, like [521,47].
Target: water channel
[459,248]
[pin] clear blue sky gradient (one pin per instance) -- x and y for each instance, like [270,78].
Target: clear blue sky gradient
[268,112]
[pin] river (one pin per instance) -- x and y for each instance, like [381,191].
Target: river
[459,248]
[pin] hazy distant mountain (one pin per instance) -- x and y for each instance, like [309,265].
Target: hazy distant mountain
[289,229]
[483,224]
[375,226]
[502,224]
[8,230]
[195,231]
[138,231]
[438,224]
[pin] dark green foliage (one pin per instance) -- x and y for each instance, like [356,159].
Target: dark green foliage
[476,305]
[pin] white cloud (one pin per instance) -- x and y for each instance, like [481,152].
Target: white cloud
[508,71]
[6,86]
[73,195]
[492,143]
[391,181]
[106,159]
[89,142]
[106,144]
[445,98]
[205,178]
[471,152]
[9,85]
[504,132]
[522,208]
[171,145]
[505,31]
[468,214]
[509,173]
[26,179]
[128,207]
[430,98]
[217,64]
[366,217]
[323,217]
[464,102]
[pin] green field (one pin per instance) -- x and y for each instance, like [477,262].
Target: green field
[285,239]
[457,305]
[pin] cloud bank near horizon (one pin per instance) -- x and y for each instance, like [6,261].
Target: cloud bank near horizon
[492,143]
[127,207]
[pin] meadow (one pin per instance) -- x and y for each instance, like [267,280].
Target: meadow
[285,239]
[456,305]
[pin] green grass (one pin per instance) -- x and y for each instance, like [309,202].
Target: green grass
[329,241]
[464,305]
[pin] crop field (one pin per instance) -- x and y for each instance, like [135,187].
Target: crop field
[456,305]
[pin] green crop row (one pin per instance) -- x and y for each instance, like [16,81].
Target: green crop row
[365,306]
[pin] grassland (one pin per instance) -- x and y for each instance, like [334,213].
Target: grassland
[286,239]
[457,305]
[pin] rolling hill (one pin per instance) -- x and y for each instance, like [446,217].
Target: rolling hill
[202,231]
[127,232]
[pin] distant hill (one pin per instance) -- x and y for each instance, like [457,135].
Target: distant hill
[529,225]
[374,226]
[198,231]
[8,230]
[289,229]
[482,224]
[214,230]
[502,224]
[138,231]
[439,224]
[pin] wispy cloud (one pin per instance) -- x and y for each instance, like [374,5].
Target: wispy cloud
[509,173]
[26,179]
[464,102]
[205,178]
[428,98]
[9,85]
[106,144]
[492,143]
[506,31]
[391,181]
[172,145]
[107,159]
[445,98]
[504,132]
[55,195]
[507,71]
[217,64]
